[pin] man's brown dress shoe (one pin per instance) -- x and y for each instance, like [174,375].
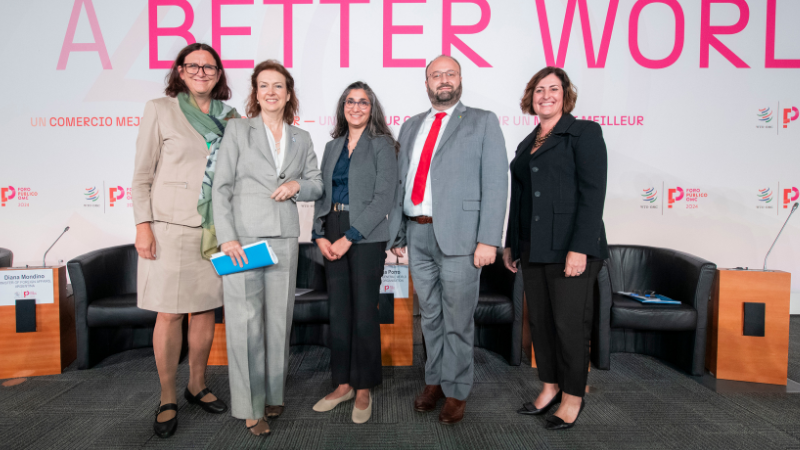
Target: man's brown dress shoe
[452,411]
[426,401]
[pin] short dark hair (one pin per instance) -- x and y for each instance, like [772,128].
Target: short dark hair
[175,85]
[570,91]
[292,106]
[442,55]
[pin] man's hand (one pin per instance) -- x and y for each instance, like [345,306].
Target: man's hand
[340,247]
[145,241]
[286,191]
[235,251]
[508,262]
[399,251]
[484,255]
[576,264]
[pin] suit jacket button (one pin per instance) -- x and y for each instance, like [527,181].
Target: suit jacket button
[400,182]
[535,169]
[283,175]
[536,218]
[537,194]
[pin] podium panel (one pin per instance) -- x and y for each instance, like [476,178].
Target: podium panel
[49,349]
[748,336]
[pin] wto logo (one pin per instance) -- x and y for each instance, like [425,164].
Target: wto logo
[115,194]
[92,194]
[649,197]
[765,195]
[6,194]
[765,115]
[674,195]
[795,114]
[790,195]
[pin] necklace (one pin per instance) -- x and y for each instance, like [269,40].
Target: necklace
[540,139]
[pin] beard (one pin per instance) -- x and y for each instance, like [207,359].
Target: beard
[445,98]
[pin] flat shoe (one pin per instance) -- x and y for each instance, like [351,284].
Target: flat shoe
[362,415]
[557,423]
[327,405]
[530,408]
[273,411]
[215,407]
[166,429]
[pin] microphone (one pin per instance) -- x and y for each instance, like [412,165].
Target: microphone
[794,208]
[67,229]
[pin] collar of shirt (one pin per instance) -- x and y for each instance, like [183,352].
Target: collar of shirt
[432,113]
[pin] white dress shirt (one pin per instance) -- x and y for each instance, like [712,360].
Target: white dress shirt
[277,157]
[425,208]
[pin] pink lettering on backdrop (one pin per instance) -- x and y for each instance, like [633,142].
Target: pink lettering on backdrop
[707,32]
[586,30]
[70,46]
[155,31]
[633,35]
[344,28]
[449,30]
[772,62]
[390,30]
[288,7]
[217,31]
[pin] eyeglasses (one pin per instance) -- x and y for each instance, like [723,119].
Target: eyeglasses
[350,103]
[447,75]
[208,69]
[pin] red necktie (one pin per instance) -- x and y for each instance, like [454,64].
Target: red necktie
[421,177]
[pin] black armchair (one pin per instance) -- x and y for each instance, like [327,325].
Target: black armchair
[6,257]
[311,316]
[498,316]
[673,333]
[107,320]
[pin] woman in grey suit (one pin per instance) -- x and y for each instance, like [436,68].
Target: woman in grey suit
[265,166]
[359,169]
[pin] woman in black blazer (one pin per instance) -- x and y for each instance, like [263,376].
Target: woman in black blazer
[359,172]
[556,236]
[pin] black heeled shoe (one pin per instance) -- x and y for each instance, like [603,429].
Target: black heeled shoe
[166,429]
[215,407]
[530,408]
[557,423]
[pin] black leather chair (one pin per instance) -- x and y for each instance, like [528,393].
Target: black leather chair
[673,333]
[6,257]
[498,317]
[107,320]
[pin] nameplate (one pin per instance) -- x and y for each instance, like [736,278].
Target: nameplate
[395,280]
[24,284]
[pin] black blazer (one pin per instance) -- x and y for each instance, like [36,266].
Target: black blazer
[569,174]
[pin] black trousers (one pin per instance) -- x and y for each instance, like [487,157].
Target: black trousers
[354,283]
[560,312]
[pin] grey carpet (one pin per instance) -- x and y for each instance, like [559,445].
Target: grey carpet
[639,404]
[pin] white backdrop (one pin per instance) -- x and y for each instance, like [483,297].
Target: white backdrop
[692,95]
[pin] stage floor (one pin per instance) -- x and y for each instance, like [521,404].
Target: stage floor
[640,403]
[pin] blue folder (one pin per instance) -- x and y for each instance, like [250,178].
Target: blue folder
[653,299]
[259,254]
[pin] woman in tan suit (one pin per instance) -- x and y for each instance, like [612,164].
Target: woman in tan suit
[176,155]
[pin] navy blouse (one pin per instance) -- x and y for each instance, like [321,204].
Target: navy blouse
[341,192]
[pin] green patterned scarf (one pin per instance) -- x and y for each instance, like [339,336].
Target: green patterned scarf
[211,126]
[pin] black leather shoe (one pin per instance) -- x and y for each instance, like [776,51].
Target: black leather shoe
[556,423]
[530,408]
[215,407]
[166,429]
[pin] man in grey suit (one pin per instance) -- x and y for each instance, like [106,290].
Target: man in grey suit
[449,212]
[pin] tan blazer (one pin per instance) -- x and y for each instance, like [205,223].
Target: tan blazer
[169,166]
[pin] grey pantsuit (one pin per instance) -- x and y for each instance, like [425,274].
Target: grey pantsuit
[258,319]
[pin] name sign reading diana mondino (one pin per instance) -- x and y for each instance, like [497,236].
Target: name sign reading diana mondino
[26,284]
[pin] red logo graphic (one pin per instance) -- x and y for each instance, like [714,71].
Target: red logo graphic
[27,294]
[6,194]
[115,194]
[790,195]
[671,198]
[795,114]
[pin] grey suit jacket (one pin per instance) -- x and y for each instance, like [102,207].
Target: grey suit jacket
[371,184]
[469,182]
[245,178]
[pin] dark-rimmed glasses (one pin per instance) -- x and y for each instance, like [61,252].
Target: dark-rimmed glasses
[450,75]
[362,104]
[207,69]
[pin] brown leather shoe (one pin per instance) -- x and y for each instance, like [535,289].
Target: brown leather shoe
[426,401]
[452,411]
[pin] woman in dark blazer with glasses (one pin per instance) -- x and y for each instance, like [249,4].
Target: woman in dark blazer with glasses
[557,237]
[359,173]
